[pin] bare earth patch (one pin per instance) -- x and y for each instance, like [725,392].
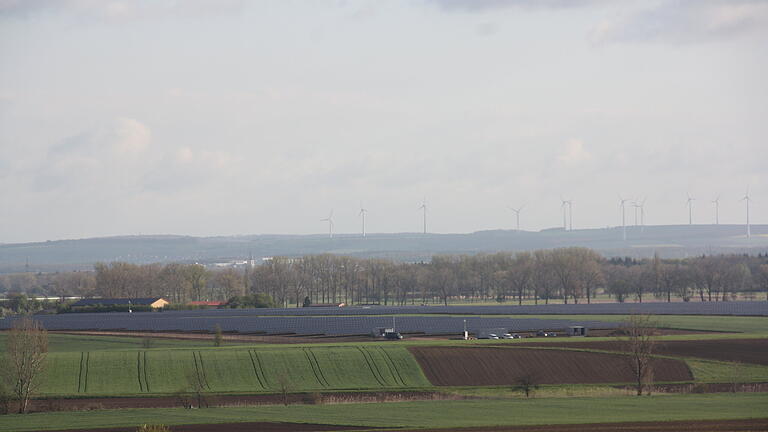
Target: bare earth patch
[492,366]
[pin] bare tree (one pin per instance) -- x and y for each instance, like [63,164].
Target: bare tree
[26,350]
[526,383]
[639,344]
[197,387]
[284,384]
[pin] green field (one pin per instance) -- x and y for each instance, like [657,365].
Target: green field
[58,342]
[467,413]
[155,371]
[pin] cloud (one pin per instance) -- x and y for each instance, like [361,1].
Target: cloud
[119,9]
[485,5]
[684,21]
[96,158]
[574,153]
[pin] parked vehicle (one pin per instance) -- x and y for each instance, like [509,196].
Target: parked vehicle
[510,336]
[542,333]
[393,335]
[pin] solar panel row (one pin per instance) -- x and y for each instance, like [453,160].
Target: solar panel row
[361,320]
[328,325]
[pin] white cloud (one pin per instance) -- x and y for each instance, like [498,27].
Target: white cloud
[574,153]
[683,21]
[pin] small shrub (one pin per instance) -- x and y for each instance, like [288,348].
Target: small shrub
[218,338]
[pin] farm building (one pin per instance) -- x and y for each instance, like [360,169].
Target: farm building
[577,331]
[153,302]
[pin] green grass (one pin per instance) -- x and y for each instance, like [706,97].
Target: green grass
[467,413]
[710,371]
[58,342]
[238,370]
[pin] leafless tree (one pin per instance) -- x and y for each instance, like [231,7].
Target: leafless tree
[526,382]
[284,385]
[639,343]
[26,351]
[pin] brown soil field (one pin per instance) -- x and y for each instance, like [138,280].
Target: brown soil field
[741,350]
[488,366]
[87,404]
[746,425]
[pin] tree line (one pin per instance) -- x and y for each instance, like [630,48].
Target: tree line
[567,275]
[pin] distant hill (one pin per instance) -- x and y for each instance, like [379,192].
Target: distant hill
[667,240]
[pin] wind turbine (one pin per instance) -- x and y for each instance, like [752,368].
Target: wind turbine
[517,215]
[569,211]
[363,211]
[329,219]
[689,203]
[636,206]
[423,207]
[623,201]
[716,202]
[747,200]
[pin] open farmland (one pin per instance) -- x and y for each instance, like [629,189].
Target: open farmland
[230,370]
[489,366]
[486,413]
[436,320]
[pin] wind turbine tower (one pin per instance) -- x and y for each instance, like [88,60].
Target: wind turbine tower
[689,203]
[517,216]
[746,199]
[329,219]
[716,202]
[641,206]
[363,211]
[423,208]
[623,201]
[636,206]
[567,213]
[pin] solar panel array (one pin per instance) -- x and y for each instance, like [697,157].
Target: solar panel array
[361,320]
[299,325]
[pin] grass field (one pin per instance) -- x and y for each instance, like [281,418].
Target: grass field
[76,343]
[156,371]
[472,413]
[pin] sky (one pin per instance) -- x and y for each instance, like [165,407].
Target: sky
[236,117]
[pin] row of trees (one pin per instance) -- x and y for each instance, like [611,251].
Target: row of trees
[569,275]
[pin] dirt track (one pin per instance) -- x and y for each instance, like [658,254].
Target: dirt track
[459,366]
[751,425]
[741,350]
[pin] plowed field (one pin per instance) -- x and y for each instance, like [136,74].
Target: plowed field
[488,366]
[741,350]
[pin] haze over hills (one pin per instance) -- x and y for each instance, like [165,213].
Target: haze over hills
[674,241]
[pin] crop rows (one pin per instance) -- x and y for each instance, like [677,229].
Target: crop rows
[168,371]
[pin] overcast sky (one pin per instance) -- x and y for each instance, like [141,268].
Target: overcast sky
[249,117]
